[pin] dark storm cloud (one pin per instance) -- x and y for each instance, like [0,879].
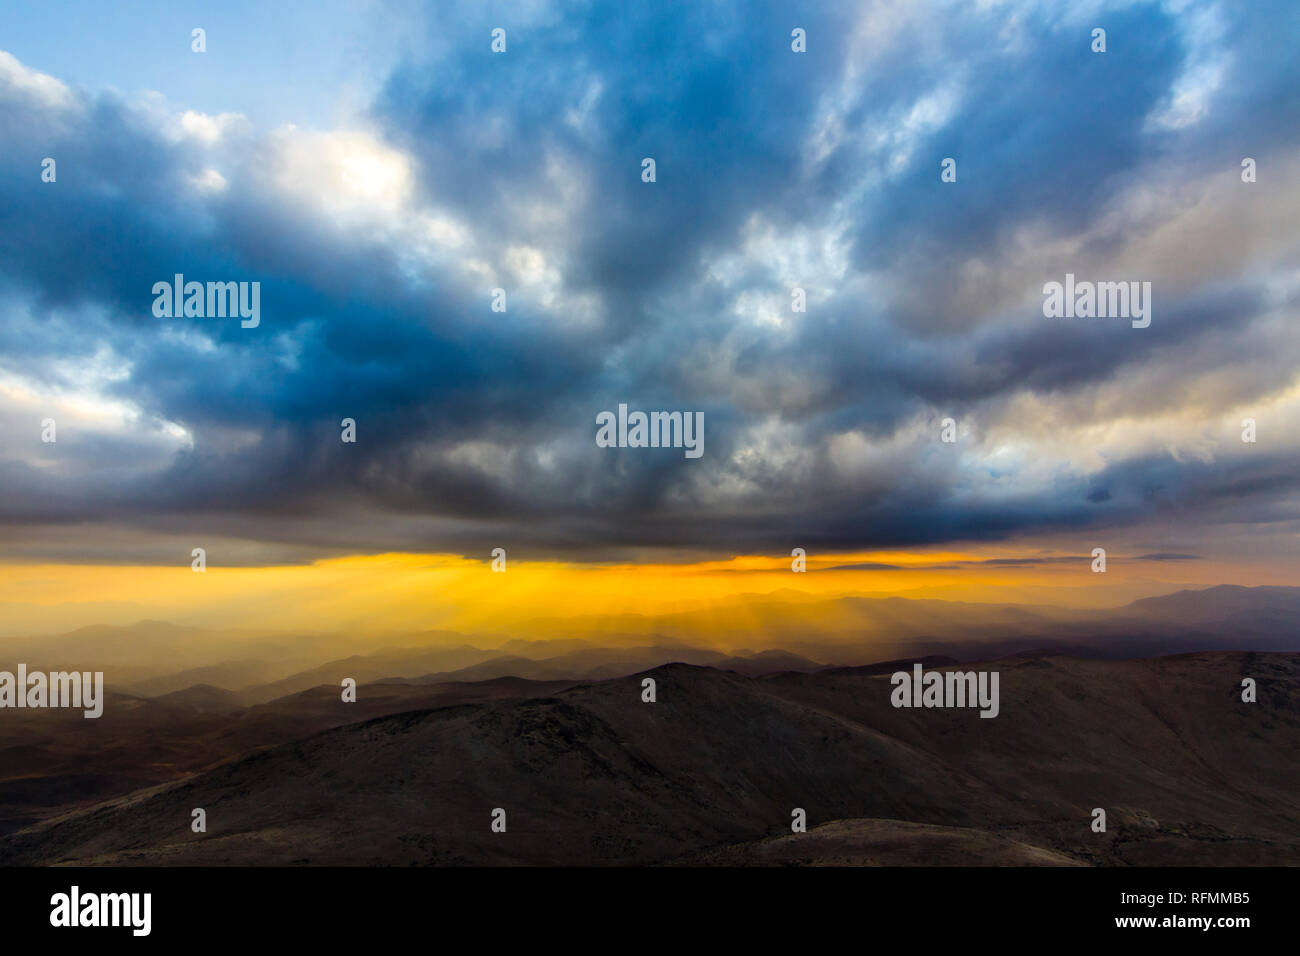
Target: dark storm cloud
[717,100]
[773,169]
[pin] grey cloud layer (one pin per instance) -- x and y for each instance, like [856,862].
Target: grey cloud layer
[774,170]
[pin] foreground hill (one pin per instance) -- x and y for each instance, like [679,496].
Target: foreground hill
[886,843]
[1186,771]
[54,761]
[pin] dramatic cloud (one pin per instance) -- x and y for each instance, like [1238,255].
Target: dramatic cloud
[378,238]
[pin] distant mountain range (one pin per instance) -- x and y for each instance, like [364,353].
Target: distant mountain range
[791,630]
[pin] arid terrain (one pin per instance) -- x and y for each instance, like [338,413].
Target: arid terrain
[708,774]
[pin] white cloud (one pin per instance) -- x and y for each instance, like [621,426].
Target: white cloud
[41,89]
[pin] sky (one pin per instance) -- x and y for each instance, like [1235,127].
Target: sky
[379,170]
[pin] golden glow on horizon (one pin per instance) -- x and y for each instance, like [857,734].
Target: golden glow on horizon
[403,593]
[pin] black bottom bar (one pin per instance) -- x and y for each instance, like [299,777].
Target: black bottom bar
[622,906]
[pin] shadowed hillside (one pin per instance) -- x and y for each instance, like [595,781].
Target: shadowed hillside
[1186,771]
[54,761]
